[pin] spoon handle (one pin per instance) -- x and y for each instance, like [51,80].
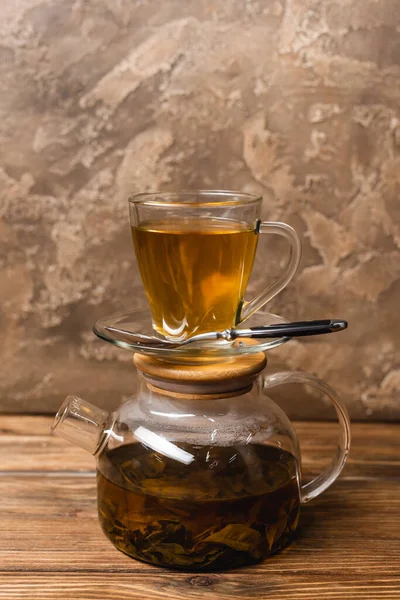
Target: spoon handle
[298,329]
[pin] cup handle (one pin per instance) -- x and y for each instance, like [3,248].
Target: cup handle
[250,307]
[318,485]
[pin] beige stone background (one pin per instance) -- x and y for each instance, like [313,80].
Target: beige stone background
[296,99]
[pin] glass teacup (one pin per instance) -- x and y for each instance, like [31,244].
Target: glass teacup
[195,252]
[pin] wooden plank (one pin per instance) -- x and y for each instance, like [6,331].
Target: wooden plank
[50,524]
[321,431]
[162,584]
[25,424]
[375,448]
[42,453]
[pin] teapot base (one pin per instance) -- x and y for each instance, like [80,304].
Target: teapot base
[235,563]
[230,507]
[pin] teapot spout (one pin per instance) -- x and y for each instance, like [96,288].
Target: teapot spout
[83,424]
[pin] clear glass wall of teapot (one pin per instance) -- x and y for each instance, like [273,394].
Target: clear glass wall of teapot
[200,469]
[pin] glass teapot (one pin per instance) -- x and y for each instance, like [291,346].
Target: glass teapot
[199,469]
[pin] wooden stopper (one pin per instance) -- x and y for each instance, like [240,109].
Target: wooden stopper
[212,380]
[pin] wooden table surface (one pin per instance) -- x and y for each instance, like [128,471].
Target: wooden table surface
[51,545]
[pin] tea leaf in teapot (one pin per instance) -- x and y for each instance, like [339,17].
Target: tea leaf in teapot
[238,537]
[168,531]
[274,531]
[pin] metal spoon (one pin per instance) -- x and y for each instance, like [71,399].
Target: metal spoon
[300,328]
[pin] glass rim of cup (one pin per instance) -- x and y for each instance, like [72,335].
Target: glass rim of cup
[191,198]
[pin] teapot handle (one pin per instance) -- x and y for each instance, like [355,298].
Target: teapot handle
[318,485]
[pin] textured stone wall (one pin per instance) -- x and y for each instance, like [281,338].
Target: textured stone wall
[295,99]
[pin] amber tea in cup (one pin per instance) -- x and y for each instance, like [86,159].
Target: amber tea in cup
[195,273]
[195,252]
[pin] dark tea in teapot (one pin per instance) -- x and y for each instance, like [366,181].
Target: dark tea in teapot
[231,506]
